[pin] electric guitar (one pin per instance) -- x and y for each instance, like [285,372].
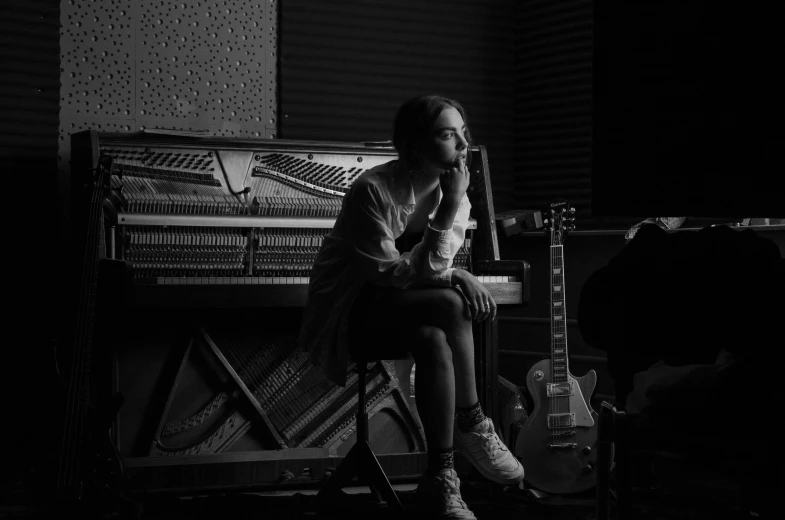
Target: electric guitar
[90,472]
[557,443]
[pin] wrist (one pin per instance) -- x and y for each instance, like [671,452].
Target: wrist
[445,215]
[458,277]
[452,199]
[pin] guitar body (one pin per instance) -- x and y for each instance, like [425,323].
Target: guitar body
[560,470]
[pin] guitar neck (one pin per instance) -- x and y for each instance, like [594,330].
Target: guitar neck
[559,359]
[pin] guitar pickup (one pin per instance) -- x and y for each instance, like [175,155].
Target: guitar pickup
[560,389]
[561,420]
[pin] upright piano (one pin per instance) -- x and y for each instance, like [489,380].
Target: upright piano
[214,239]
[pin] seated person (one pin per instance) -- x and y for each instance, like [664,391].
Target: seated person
[383,282]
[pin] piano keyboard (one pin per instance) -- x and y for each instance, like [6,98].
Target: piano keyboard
[270,280]
[269,291]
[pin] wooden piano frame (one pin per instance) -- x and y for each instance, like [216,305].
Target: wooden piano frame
[189,474]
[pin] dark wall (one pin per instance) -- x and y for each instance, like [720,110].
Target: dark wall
[689,116]
[346,66]
[29,107]
[553,104]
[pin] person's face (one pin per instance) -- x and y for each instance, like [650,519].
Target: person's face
[447,142]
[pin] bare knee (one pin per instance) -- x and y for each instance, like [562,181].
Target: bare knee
[431,346]
[451,306]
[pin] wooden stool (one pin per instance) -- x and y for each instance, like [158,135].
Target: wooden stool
[361,462]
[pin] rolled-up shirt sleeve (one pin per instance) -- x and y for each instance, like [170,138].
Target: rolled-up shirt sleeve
[378,259]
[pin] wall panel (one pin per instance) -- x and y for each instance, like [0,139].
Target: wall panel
[347,65]
[129,65]
[29,85]
[553,52]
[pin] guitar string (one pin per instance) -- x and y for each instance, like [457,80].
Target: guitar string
[563,331]
[554,401]
[551,400]
[560,398]
[564,400]
[64,471]
[83,336]
[73,429]
[558,328]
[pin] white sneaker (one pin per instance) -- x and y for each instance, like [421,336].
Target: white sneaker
[486,451]
[441,494]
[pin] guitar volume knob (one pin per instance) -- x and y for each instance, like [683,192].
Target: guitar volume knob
[538,375]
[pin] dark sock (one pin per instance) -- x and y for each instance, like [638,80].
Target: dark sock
[440,459]
[470,417]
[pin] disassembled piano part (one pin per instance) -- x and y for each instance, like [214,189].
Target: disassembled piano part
[221,224]
[299,405]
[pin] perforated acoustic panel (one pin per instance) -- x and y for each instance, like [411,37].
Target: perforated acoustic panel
[130,65]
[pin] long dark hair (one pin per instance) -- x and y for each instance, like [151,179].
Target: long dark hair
[414,123]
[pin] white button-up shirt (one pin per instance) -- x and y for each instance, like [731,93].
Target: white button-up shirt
[361,249]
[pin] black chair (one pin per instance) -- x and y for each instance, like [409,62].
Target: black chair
[652,461]
[361,462]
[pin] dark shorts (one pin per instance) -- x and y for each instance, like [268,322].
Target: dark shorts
[372,324]
[383,320]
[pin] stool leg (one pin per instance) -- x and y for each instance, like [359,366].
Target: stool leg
[343,474]
[362,413]
[604,461]
[623,469]
[375,477]
[360,461]
[369,468]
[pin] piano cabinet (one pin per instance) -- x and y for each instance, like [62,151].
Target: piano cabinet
[214,237]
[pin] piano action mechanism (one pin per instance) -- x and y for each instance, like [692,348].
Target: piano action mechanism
[219,235]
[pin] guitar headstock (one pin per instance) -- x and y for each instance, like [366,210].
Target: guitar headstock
[561,221]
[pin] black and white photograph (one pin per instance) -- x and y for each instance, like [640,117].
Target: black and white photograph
[393,259]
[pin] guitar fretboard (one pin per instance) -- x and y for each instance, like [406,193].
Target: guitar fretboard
[559,362]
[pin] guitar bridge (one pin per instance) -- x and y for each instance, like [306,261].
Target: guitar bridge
[563,446]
